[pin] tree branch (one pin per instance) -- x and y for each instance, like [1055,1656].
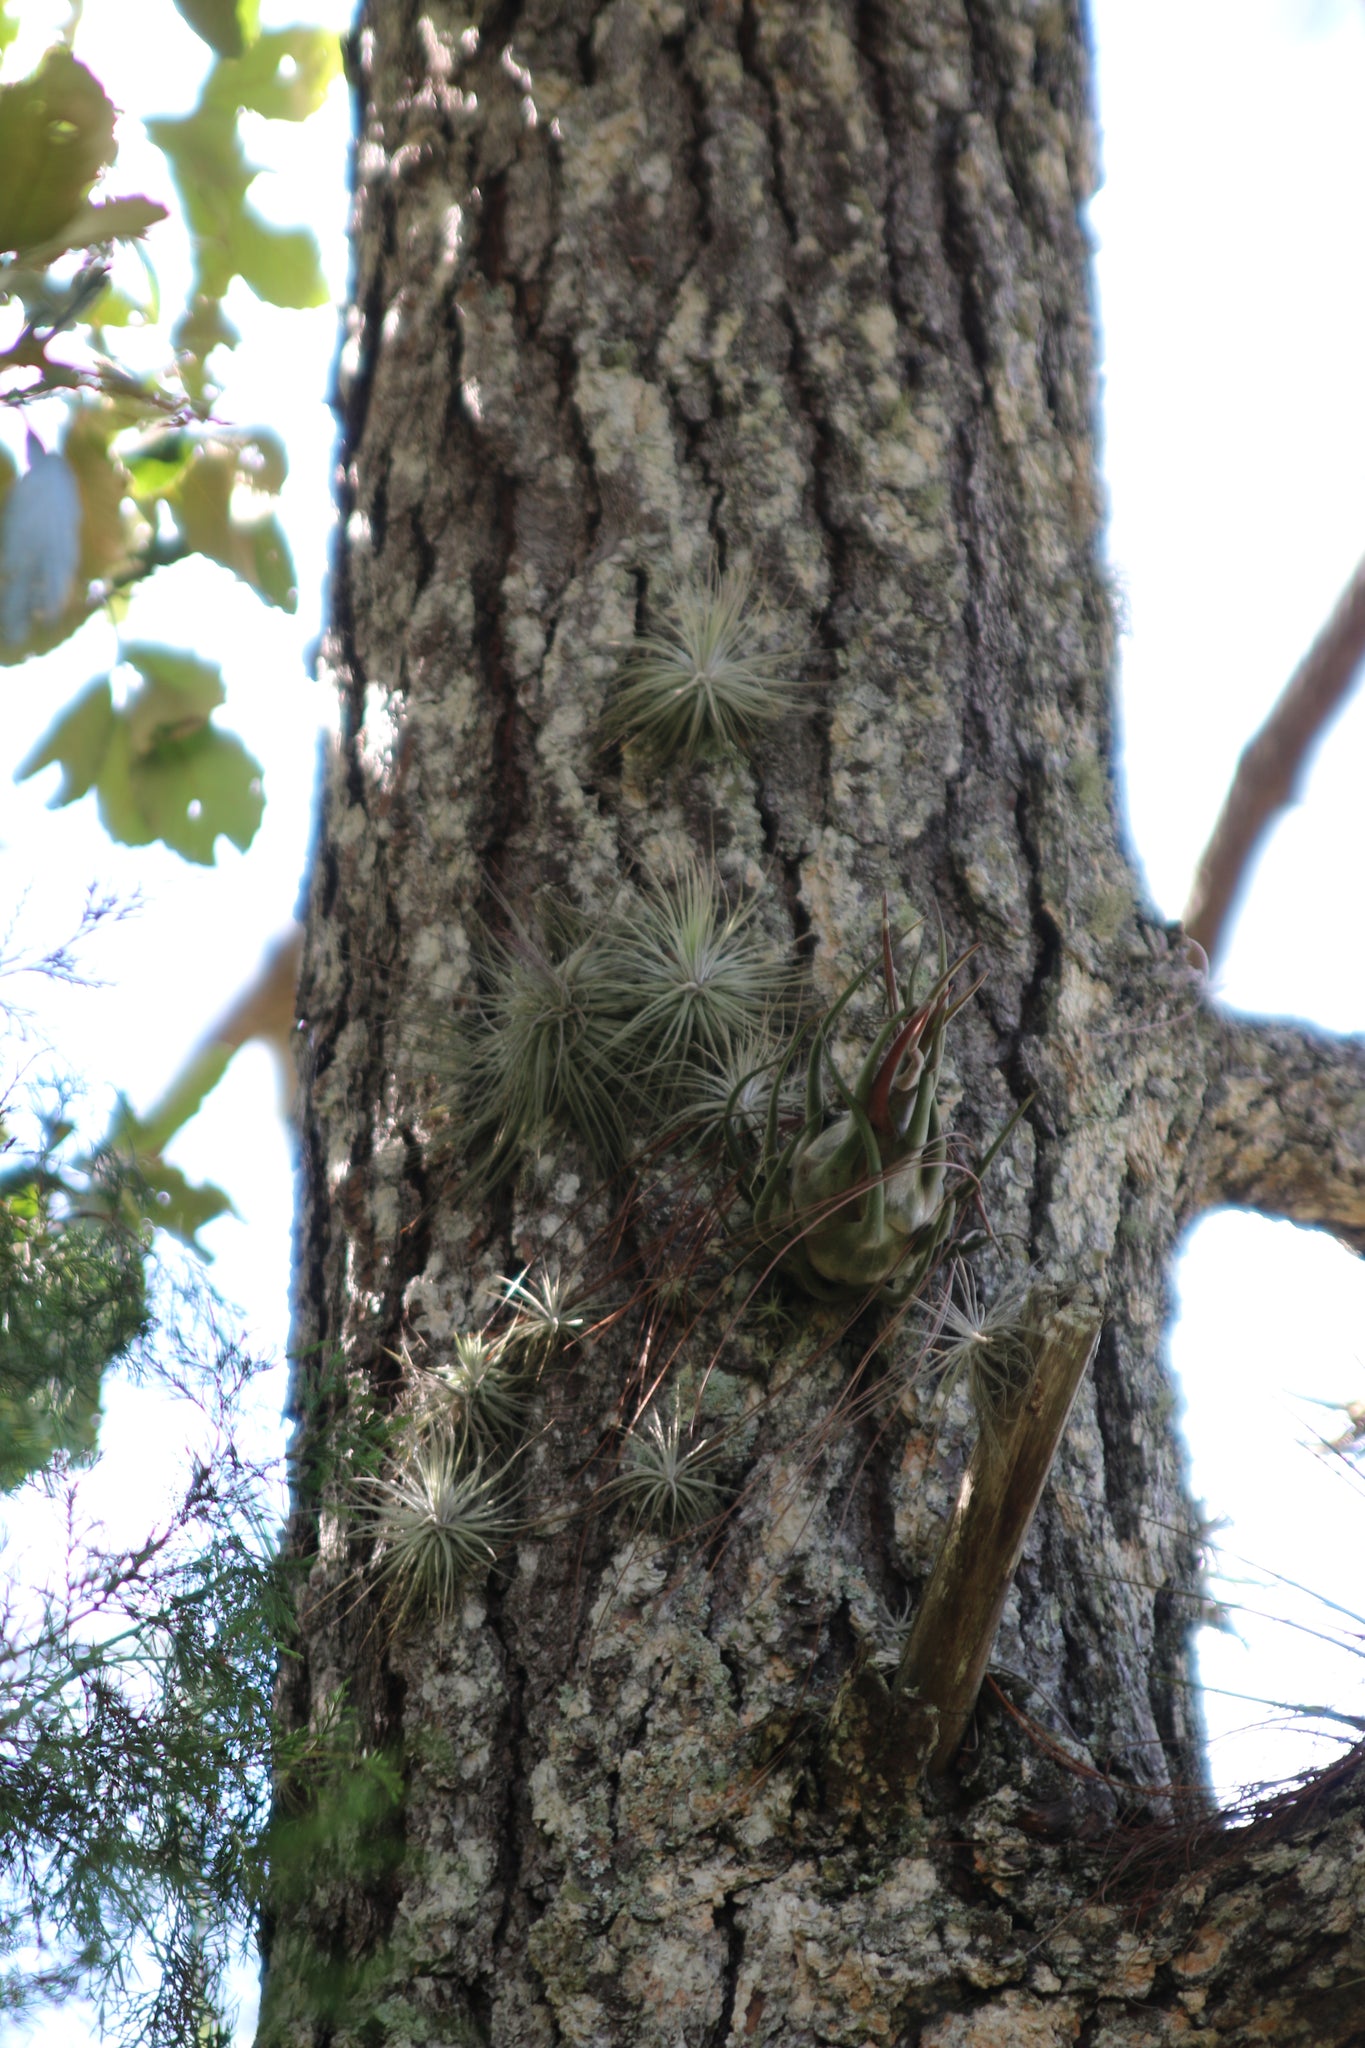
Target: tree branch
[1283,1129]
[1271,763]
[1238,1926]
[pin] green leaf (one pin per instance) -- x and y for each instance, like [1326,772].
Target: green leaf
[264,463]
[56,136]
[158,466]
[159,769]
[191,790]
[156,1191]
[187,1094]
[78,742]
[112,220]
[285,75]
[282,265]
[179,694]
[114,308]
[229,27]
[175,777]
[200,502]
[108,538]
[175,1204]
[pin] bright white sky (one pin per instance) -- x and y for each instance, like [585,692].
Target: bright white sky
[1233,304]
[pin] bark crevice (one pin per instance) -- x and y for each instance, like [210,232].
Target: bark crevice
[801,283]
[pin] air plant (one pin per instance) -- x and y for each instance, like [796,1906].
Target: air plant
[730,1095]
[438,1523]
[479,1388]
[891,1631]
[856,1199]
[991,1345]
[664,1476]
[547,1313]
[706,683]
[540,1051]
[689,978]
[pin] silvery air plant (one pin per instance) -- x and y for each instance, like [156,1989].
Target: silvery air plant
[856,1200]
[591,1026]
[708,682]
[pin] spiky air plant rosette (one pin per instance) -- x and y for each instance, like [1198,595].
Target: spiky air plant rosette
[593,1028]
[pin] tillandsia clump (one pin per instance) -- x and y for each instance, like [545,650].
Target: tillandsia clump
[537,1052]
[593,1027]
[709,681]
[856,1200]
[549,1313]
[690,980]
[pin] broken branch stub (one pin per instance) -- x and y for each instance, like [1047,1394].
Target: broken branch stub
[955,1625]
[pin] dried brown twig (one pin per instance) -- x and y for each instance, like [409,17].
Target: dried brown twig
[1267,773]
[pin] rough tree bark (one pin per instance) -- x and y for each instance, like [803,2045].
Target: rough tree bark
[802,282]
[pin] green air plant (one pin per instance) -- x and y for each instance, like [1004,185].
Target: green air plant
[989,1344]
[590,1027]
[664,1479]
[730,1098]
[438,1522]
[689,979]
[706,683]
[856,1200]
[539,1052]
[548,1314]
[479,1388]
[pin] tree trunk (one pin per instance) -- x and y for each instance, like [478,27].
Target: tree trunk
[643,290]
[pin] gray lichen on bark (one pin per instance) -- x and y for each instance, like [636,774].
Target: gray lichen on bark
[801,286]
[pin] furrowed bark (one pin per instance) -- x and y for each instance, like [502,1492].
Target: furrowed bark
[800,287]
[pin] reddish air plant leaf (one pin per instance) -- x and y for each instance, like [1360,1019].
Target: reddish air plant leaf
[889,1077]
[858,1199]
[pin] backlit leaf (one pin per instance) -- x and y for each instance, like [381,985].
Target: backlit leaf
[158,465]
[281,265]
[285,75]
[115,220]
[228,26]
[190,790]
[163,1194]
[108,538]
[253,548]
[78,742]
[56,136]
[159,769]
